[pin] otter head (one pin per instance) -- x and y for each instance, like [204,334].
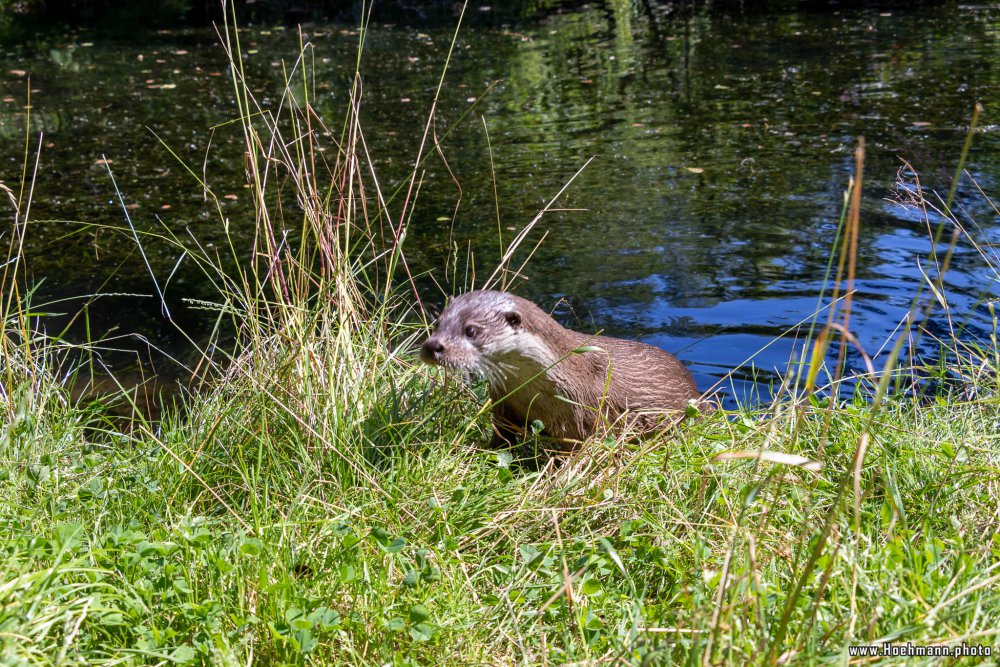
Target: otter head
[475,329]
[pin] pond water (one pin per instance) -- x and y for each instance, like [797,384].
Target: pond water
[721,144]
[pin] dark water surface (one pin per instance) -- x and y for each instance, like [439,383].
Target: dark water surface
[722,147]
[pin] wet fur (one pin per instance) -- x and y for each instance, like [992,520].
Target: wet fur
[531,368]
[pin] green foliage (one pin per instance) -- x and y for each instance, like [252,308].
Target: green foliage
[232,533]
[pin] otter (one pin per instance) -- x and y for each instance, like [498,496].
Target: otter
[536,369]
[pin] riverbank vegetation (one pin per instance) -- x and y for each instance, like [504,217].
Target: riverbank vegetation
[320,497]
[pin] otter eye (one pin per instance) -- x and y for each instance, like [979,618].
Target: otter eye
[513,319]
[471,331]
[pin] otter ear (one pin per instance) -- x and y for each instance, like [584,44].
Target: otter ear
[513,319]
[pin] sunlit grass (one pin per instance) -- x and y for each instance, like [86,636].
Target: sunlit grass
[325,499]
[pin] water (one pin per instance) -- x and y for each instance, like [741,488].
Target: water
[721,146]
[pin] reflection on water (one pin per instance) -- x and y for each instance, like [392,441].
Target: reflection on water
[722,148]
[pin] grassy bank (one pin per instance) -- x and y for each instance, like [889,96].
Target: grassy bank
[325,499]
[333,512]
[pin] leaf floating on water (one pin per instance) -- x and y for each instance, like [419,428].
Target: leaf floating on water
[230,197]
[920,123]
[18,72]
[695,170]
[102,161]
[168,86]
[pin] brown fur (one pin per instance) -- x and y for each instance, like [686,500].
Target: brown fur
[533,372]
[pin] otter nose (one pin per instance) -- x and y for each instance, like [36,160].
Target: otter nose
[431,348]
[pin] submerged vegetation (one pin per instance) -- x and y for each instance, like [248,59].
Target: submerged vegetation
[324,499]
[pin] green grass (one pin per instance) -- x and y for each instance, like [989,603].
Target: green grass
[327,500]
[252,529]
